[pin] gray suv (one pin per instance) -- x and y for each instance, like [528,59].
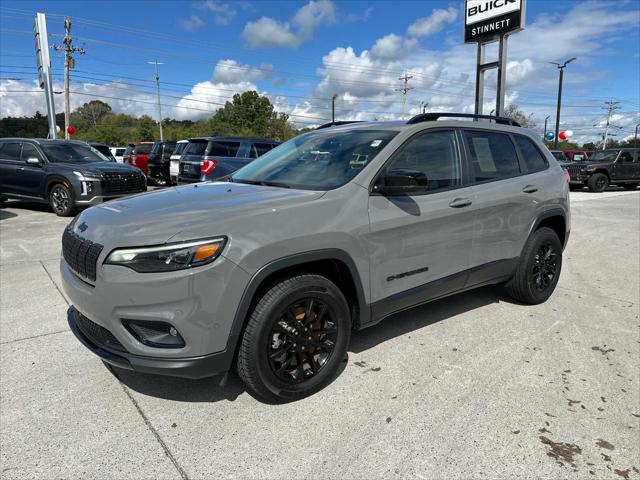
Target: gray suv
[332,231]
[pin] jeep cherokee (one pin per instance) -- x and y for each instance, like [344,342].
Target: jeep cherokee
[332,231]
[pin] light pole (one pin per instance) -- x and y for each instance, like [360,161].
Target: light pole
[544,134]
[333,107]
[561,68]
[157,79]
[635,139]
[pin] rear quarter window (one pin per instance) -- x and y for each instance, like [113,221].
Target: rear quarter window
[493,155]
[10,151]
[533,159]
[222,149]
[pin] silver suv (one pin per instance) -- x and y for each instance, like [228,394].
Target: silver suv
[332,231]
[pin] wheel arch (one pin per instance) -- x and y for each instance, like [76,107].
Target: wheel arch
[335,264]
[53,180]
[556,219]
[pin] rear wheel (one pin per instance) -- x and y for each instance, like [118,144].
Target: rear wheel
[295,339]
[539,268]
[630,186]
[598,182]
[61,200]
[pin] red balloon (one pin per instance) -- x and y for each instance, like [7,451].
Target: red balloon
[562,136]
[72,130]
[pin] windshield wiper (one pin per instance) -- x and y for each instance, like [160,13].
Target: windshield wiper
[263,183]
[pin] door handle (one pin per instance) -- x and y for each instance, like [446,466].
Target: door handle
[530,189]
[460,202]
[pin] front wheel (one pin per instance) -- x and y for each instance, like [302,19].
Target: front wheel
[598,182]
[62,201]
[538,269]
[295,339]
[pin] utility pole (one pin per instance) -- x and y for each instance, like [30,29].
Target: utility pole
[423,107]
[69,62]
[404,89]
[561,68]
[333,107]
[155,63]
[611,107]
[635,139]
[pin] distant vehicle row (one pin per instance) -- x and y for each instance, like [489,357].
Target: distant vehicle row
[619,166]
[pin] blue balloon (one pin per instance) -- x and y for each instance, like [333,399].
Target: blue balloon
[549,136]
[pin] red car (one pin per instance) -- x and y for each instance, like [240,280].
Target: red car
[578,155]
[137,154]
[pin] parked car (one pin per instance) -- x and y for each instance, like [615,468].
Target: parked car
[137,154]
[560,155]
[67,174]
[578,155]
[158,162]
[208,158]
[174,165]
[118,153]
[104,150]
[273,269]
[617,166]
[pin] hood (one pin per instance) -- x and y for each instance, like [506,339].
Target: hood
[96,167]
[184,213]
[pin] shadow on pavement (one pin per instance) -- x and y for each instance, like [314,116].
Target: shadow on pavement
[181,389]
[4,214]
[425,315]
[21,205]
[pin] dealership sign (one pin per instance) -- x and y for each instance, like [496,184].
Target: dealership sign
[486,20]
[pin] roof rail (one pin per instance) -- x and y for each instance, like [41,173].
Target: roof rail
[335,124]
[432,117]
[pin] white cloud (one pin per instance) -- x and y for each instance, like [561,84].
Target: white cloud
[223,12]
[432,24]
[268,32]
[191,24]
[230,71]
[389,47]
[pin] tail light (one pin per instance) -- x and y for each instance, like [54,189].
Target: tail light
[132,159]
[565,175]
[207,164]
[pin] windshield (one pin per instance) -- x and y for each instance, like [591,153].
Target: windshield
[320,160]
[604,156]
[72,153]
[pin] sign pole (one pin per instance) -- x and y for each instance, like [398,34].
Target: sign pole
[480,79]
[44,68]
[502,75]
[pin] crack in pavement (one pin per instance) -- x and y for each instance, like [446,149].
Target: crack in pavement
[33,336]
[596,295]
[55,284]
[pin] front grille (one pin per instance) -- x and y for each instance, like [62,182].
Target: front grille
[574,171]
[117,183]
[98,335]
[80,254]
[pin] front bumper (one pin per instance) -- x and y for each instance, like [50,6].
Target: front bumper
[194,367]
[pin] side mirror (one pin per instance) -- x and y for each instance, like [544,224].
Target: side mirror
[33,161]
[402,182]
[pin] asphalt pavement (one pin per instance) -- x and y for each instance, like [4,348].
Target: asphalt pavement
[473,386]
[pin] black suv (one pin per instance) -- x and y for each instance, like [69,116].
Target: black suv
[159,161]
[619,166]
[209,158]
[67,174]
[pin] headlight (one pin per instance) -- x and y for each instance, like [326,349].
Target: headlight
[88,176]
[168,258]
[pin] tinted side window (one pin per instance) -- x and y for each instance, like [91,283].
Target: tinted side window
[142,149]
[29,151]
[259,149]
[532,156]
[493,155]
[223,149]
[625,157]
[10,151]
[195,148]
[433,153]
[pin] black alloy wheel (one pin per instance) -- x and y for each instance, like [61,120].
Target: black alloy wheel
[295,339]
[302,340]
[598,182]
[61,200]
[538,269]
[544,267]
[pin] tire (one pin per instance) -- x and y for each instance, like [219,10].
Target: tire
[630,186]
[62,200]
[598,182]
[274,360]
[542,256]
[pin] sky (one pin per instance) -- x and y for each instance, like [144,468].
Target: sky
[301,53]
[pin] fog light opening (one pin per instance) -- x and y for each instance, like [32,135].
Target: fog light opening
[154,334]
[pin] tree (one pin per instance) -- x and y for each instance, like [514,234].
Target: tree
[512,112]
[146,128]
[91,112]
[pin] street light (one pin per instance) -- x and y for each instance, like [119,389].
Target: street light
[544,134]
[561,67]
